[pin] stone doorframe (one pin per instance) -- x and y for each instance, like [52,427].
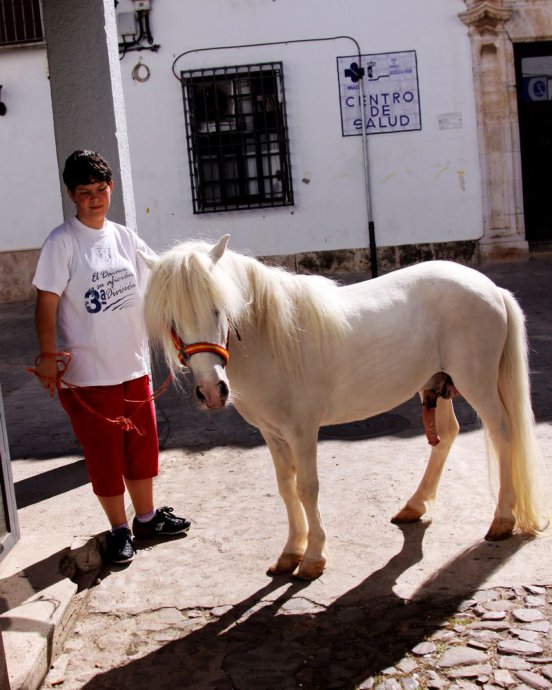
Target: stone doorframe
[493,27]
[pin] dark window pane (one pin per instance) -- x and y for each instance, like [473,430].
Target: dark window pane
[20,22]
[236,133]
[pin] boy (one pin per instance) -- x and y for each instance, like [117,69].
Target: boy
[90,285]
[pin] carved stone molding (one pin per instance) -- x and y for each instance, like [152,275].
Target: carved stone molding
[486,17]
[497,128]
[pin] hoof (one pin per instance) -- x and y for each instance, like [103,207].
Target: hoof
[501,528]
[310,570]
[406,515]
[285,564]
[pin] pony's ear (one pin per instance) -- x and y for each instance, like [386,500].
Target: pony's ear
[218,250]
[148,260]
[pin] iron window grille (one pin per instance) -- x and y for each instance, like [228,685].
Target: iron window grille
[237,137]
[20,22]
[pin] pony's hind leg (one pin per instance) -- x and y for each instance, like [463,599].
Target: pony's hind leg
[447,428]
[503,403]
[499,448]
[508,435]
[292,553]
[499,445]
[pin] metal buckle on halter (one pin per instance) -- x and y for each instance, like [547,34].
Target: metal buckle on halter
[186,351]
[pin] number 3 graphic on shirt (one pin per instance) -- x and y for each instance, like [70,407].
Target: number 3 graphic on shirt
[92,302]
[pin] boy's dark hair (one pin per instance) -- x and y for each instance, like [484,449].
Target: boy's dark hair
[85,167]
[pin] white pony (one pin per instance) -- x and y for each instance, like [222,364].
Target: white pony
[305,352]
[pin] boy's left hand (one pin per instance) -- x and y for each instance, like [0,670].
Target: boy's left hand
[48,372]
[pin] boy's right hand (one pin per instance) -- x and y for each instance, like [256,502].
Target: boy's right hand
[47,372]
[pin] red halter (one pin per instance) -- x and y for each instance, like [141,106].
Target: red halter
[186,351]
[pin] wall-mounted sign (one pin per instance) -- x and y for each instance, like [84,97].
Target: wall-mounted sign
[391,94]
[537,88]
[450,121]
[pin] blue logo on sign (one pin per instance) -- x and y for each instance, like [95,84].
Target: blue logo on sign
[355,73]
[535,89]
[539,89]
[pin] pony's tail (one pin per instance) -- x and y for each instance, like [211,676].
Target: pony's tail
[515,393]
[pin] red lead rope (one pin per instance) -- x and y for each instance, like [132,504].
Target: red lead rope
[63,360]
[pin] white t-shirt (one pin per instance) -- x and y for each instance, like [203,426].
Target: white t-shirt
[100,280]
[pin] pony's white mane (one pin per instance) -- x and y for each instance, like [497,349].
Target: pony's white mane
[185,284]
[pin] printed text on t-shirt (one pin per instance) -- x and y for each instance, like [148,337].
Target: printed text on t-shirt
[111,290]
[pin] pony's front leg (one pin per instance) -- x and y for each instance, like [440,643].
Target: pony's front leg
[447,428]
[304,453]
[292,553]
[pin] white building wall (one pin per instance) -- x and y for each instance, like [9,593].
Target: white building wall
[425,185]
[30,202]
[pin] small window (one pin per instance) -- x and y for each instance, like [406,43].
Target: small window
[20,22]
[237,137]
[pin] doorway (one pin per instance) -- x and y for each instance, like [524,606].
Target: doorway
[533,62]
[9,525]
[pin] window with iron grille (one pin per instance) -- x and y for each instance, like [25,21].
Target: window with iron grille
[20,22]
[237,137]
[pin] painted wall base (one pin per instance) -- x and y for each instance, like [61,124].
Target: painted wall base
[389,258]
[16,272]
[506,250]
[17,268]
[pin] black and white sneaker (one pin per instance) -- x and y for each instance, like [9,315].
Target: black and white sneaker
[118,546]
[162,524]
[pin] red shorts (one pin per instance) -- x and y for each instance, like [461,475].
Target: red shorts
[112,453]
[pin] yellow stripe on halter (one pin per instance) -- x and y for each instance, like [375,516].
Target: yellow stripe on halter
[186,351]
[190,350]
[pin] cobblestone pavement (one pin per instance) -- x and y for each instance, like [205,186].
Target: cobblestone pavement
[498,638]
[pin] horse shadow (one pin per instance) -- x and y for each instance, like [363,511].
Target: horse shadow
[280,641]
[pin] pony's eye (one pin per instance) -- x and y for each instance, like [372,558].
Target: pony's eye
[217,313]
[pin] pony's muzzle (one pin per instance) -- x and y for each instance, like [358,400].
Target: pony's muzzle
[213,398]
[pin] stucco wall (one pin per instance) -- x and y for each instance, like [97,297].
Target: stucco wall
[30,202]
[425,184]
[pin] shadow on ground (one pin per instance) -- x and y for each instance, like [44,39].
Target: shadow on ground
[284,642]
[51,483]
